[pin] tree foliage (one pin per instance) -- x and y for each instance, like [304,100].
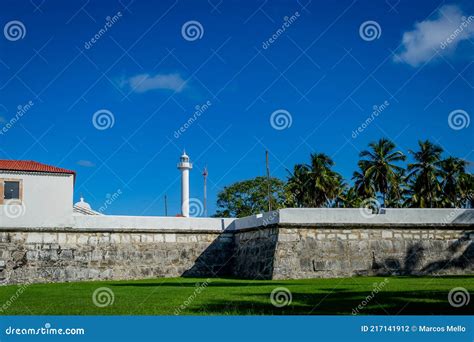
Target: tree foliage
[315,184]
[250,197]
[380,170]
[428,181]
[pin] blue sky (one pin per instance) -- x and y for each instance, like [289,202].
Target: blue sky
[323,72]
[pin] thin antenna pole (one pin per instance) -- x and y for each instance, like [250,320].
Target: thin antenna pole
[205,190]
[268,181]
[166,205]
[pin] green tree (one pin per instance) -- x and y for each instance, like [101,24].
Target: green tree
[297,186]
[343,197]
[316,183]
[349,198]
[379,168]
[250,197]
[467,190]
[428,182]
[363,186]
[423,176]
[452,171]
[396,197]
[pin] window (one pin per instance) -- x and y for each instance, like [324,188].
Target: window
[11,190]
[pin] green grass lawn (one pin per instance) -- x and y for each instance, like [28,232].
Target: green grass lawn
[188,296]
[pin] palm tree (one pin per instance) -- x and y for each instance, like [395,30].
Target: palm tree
[350,198]
[398,191]
[363,185]
[342,199]
[423,175]
[325,182]
[297,186]
[451,173]
[315,184]
[466,189]
[379,166]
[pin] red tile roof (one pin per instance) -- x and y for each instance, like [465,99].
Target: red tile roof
[31,166]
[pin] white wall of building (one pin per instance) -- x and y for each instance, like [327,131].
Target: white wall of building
[47,201]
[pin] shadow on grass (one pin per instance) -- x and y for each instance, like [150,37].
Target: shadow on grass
[326,300]
[444,276]
[211,283]
[341,302]
[233,282]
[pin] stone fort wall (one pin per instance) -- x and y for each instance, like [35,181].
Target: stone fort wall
[63,255]
[287,244]
[312,252]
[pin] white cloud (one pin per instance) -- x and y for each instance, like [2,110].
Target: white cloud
[85,163]
[442,34]
[145,82]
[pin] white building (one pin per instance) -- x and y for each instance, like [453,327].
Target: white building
[83,208]
[35,195]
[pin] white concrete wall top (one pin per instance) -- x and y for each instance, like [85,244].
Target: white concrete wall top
[264,219]
[385,216]
[291,217]
[109,222]
[345,216]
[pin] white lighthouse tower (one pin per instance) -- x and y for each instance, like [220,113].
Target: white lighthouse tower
[184,165]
